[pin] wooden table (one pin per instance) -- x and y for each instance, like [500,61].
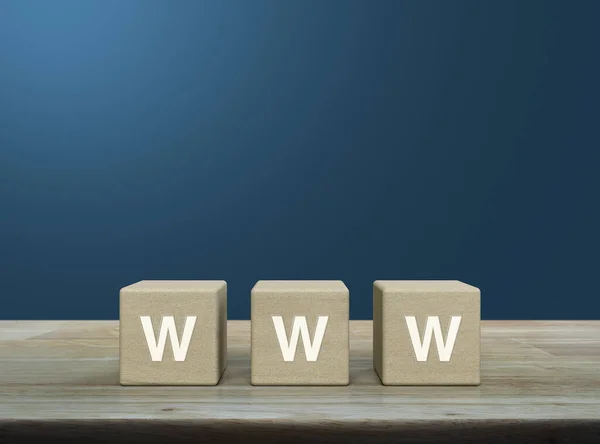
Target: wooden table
[540,383]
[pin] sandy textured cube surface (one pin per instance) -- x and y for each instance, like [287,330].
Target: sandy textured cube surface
[173,333]
[426,332]
[300,333]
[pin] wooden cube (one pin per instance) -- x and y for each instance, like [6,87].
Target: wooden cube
[300,333]
[173,333]
[426,332]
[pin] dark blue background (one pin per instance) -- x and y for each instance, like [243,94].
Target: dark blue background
[246,140]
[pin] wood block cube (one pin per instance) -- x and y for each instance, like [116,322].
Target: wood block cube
[173,333]
[300,333]
[426,332]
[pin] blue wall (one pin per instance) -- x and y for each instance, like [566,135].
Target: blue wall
[246,140]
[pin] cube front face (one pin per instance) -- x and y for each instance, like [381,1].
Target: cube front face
[300,333]
[173,333]
[427,333]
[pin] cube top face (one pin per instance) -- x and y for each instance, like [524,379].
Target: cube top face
[427,333]
[389,287]
[300,333]
[173,333]
[210,287]
[300,288]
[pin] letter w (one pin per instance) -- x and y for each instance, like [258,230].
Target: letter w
[167,328]
[288,350]
[433,326]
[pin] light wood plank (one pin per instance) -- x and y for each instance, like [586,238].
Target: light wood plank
[530,371]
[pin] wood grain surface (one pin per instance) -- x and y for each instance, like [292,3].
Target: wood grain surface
[540,383]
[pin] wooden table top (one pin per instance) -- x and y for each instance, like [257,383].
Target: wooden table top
[531,371]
